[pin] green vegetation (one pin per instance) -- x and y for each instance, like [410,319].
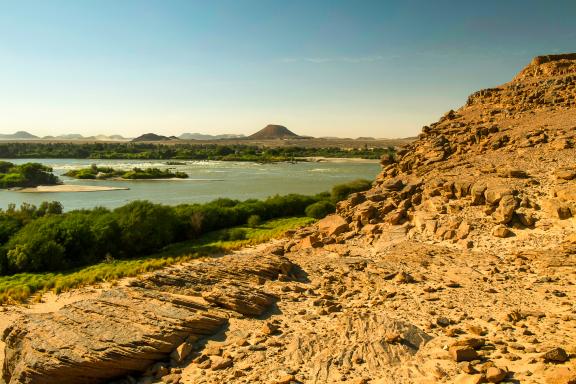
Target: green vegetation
[100,244]
[95,172]
[25,175]
[19,287]
[175,163]
[236,152]
[320,209]
[341,191]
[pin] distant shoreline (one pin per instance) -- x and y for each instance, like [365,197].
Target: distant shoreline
[69,188]
[321,159]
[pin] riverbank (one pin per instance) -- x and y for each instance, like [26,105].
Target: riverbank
[70,188]
[323,159]
[207,181]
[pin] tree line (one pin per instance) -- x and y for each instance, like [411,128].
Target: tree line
[44,238]
[147,151]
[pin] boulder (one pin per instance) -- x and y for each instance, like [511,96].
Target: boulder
[555,355]
[463,230]
[471,342]
[515,173]
[477,193]
[526,217]
[505,210]
[182,352]
[392,185]
[396,217]
[462,188]
[333,225]
[494,194]
[462,353]
[219,363]
[501,231]
[366,211]
[495,375]
[436,204]
[311,241]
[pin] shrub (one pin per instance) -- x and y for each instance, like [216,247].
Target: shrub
[342,191]
[36,247]
[50,208]
[236,234]
[9,225]
[254,221]
[320,209]
[145,227]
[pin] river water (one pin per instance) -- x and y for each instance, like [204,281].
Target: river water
[207,181]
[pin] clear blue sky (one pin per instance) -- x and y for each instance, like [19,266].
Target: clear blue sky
[321,67]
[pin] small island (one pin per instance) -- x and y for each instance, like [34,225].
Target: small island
[103,173]
[25,175]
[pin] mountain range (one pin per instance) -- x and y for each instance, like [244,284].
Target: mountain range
[270,132]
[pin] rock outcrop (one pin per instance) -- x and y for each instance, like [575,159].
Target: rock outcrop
[506,158]
[126,330]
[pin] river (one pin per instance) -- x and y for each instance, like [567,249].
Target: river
[207,181]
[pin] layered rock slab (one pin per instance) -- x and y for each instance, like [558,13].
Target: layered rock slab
[127,329]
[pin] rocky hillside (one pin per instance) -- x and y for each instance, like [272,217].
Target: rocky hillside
[458,266]
[501,166]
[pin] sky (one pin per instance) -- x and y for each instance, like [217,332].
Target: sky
[345,68]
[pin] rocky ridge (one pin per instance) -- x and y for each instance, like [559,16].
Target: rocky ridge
[458,266]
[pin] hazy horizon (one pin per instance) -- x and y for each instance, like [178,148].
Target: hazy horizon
[325,68]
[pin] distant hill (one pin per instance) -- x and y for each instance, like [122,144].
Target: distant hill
[202,136]
[20,135]
[273,131]
[109,138]
[79,137]
[154,137]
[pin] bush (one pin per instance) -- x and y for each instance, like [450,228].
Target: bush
[36,247]
[320,209]
[254,221]
[236,234]
[342,191]
[145,227]
[50,208]
[8,227]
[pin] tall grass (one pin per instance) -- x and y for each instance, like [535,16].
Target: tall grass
[20,287]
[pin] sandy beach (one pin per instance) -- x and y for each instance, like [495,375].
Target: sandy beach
[70,188]
[321,159]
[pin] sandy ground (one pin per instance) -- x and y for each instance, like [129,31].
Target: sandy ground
[70,188]
[320,159]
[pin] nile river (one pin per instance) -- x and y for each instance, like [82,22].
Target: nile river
[207,181]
